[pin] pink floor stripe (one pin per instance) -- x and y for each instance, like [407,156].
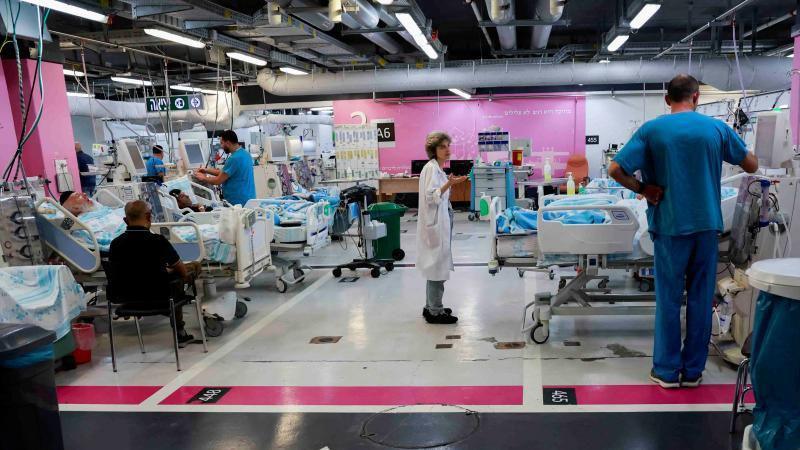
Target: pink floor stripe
[357,395]
[104,395]
[650,394]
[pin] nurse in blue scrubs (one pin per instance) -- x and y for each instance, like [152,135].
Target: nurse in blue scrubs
[236,177]
[679,156]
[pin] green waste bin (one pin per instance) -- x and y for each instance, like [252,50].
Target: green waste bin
[388,247]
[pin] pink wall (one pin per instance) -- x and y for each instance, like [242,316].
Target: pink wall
[557,122]
[794,107]
[7,136]
[53,138]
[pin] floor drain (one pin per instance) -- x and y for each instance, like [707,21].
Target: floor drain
[509,345]
[453,336]
[395,428]
[441,346]
[572,344]
[325,340]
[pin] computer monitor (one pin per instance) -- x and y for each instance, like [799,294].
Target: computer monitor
[192,154]
[460,167]
[276,150]
[417,165]
[130,156]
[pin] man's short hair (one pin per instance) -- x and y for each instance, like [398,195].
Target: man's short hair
[136,210]
[229,136]
[158,150]
[65,196]
[682,88]
[175,192]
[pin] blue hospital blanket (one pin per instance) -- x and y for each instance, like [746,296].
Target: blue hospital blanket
[516,220]
[216,250]
[46,296]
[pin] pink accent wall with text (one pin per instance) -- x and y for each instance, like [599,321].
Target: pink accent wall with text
[53,138]
[556,126]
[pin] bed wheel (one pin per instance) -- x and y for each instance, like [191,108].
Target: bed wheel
[389,267]
[375,272]
[281,285]
[214,327]
[552,275]
[540,333]
[241,310]
[602,284]
[520,273]
[562,283]
[472,217]
[337,272]
[645,285]
[398,254]
[297,274]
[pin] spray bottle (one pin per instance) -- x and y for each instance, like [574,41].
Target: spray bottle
[548,170]
[570,184]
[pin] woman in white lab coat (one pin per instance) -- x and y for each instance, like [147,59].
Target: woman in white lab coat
[435,227]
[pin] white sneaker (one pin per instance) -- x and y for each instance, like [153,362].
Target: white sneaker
[664,384]
[692,383]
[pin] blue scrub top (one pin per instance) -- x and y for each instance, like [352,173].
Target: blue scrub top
[88,182]
[240,185]
[683,154]
[155,167]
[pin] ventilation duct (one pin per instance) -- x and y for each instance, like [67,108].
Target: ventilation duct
[502,12]
[318,20]
[136,113]
[762,73]
[550,11]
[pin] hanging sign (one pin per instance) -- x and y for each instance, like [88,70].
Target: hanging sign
[386,136]
[174,103]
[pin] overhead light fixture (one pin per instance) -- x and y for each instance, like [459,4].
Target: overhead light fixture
[430,51]
[174,37]
[69,9]
[408,22]
[790,55]
[646,12]
[185,88]
[79,94]
[322,108]
[247,58]
[784,106]
[73,73]
[617,42]
[127,80]
[604,61]
[461,93]
[292,71]
[385,2]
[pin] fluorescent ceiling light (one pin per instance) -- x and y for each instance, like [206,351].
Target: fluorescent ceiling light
[428,49]
[211,92]
[604,61]
[127,80]
[185,87]
[618,42]
[386,2]
[293,71]
[73,73]
[69,9]
[322,108]
[80,94]
[247,58]
[790,55]
[410,25]
[784,106]
[174,37]
[463,94]
[644,14]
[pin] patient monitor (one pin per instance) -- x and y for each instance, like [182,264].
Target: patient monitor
[771,142]
[275,149]
[129,157]
[192,155]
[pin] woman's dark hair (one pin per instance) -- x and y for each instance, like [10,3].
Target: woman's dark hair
[434,140]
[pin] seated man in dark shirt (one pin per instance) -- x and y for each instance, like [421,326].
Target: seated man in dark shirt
[144,265]
[184,201]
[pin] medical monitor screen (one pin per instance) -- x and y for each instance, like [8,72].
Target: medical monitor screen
[417,165]
[135,156]
[277,146]
[195,154]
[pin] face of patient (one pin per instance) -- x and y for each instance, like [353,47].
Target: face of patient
[78,203]
[184,201]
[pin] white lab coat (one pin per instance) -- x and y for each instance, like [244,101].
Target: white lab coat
[434,255]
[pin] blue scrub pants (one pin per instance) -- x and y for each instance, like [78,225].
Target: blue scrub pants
[683,262]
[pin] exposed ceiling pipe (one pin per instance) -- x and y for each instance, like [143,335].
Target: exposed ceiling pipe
[760,73]
[366,16]
[549,10]
[317,20]
[479,18]
[771,23]
[501,12]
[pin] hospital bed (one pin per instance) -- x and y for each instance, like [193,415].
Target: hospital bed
[619,240]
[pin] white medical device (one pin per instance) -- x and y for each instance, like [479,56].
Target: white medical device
[268,184]
[295,146]
[130,158]
[276,149]
[310,148]
[192,155]
[772,140]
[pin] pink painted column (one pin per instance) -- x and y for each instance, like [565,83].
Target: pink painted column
[794,106]
[53,139]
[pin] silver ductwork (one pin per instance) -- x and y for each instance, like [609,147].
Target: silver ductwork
[761,73]
[368,17]
[502,12]
[549,10]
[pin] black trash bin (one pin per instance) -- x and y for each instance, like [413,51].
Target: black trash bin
[28,403]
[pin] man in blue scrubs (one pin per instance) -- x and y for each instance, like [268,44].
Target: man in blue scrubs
[236,177]
[679,156]
[88,182]
[155,165]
